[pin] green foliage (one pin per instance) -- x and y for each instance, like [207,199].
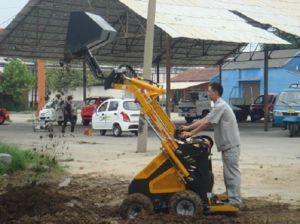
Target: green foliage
[16,79]
[62,79]
[26,159]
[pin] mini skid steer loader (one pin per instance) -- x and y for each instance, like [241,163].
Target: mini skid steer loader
[179,180]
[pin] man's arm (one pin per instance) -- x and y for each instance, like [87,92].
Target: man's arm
[191,126]
[196,127]
[202,124]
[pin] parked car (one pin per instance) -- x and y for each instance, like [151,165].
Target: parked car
[118,115]
[4,116]
[89,107]
[257,108]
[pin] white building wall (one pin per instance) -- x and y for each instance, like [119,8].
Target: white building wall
[94,91]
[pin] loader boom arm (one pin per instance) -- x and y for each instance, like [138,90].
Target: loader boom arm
[146,94]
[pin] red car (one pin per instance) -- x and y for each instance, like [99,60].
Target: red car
[4,116]
[87,110]
[257,108]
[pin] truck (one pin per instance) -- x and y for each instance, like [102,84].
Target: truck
[257,107]
[193,105]
[242,108]
[287,110]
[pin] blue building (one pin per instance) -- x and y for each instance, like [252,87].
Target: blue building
[243,78]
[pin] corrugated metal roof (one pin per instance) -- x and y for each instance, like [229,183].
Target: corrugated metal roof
[282,14]
[202,19]
[195,75]
[39,31]
[184,85]
[249,60]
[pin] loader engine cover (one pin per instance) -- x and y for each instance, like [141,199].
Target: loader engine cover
[196,159]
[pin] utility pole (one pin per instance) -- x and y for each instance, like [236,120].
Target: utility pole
[148,56]
[220,73]
[168,74]
[84,78]
[266,89]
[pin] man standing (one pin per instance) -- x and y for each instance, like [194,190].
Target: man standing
[227,140]
[69,114]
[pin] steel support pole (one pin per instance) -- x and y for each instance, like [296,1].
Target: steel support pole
[266,84]
[168,74]
[84,79]
[147,71]
[157,72]
[220,74]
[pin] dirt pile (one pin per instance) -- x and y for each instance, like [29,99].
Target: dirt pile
[96,199]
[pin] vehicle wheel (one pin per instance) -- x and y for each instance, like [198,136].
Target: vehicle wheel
[185,203]
[102,132]
[85,122]
[189,119]
[2,120]
[117,131]
[241,116]
[293,129]
[60,123]
[135,132]
[134,205]
[253,119]
[49,127]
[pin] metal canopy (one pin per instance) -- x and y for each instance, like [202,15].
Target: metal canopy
[281,14]
[202,19]
[39,31]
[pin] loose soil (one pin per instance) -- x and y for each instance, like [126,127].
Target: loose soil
[92,198]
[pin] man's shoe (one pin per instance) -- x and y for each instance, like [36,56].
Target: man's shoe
[240,206]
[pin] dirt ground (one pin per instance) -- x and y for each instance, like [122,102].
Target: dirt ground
[92,198]
[101,167]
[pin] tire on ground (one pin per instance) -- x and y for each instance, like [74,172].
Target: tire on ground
[185,203]
[102,132]
[134,205]
[117,131]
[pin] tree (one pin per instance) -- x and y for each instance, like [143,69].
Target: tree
[65,79]
[16,80]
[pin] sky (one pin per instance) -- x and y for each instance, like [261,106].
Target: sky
[9,9]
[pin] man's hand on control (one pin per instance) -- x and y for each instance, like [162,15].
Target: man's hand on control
[186,134]
[184,128]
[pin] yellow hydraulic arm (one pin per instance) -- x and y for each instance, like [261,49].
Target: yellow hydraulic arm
[146,94]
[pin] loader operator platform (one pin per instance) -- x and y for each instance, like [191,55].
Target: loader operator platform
[227,139]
